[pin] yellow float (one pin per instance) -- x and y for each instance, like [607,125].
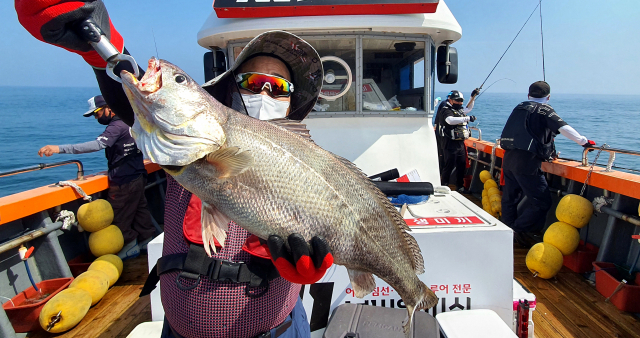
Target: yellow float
[108,268]
[574,210]
[95,215]
[563,236]
[484,176]
[72,304]
[490,183]
[113,259]
[106,241]
[544,260]
[93,281]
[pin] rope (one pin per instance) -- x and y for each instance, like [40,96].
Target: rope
[67,217]
[77,188]
[591,168]
[600,202]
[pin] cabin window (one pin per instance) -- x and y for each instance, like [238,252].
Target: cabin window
[339,84]
[393,75]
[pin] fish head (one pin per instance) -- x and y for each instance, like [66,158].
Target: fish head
[176,121]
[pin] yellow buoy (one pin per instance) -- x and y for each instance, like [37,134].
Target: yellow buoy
[563,236]
[496,206]
[108,268]
[574,210]
[95,215]
[495,198]
[490,183]
[485,193]
[544,260]
[106,241]
[113,259]
[72,304]
[484,176]
[95,282]
[493,191]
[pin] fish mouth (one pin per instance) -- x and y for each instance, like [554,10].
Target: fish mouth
[150,83]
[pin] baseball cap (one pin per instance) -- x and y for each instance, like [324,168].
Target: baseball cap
[301,58]
[539,89]
[455,95]
[95,103]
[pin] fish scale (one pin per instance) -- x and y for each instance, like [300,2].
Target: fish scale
[271,179]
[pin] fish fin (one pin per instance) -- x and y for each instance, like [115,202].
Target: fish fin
[293,126]
[362,282]
[425,301]
[412,244]
[214,225]
[230,161]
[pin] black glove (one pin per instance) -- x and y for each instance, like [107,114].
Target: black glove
[590,143]
[475,92]
[304,264]
[472,118]
[52,21]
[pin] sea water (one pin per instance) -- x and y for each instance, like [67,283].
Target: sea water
[32,117]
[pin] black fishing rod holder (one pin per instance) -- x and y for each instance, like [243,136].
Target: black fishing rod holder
[41,166]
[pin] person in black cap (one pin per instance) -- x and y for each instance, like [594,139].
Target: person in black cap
[127,176]
[252,288]
[451,131]
[527,139]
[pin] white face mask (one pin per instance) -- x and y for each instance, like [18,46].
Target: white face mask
[264,107]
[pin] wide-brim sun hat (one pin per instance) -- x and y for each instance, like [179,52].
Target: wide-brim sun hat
[95,103]
[301,58]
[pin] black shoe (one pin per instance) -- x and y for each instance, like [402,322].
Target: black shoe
[518,238]
[464,191]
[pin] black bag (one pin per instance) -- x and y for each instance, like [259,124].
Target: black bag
[367,321]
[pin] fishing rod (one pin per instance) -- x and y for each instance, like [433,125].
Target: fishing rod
[514,39]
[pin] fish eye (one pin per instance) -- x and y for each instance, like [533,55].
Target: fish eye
[180,78]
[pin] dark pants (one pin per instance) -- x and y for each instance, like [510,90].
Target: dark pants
[454,158]
[299,327]
[535,187]
[130,211]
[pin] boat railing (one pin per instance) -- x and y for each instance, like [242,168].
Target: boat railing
[612,155]
[479,132]
[41,166]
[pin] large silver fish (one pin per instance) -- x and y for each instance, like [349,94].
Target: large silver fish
[270,179]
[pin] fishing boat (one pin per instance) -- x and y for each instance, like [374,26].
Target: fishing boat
[375,109]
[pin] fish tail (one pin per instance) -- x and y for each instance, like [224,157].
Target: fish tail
[426,300]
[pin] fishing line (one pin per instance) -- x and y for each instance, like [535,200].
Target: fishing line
[504,78]
[155,44]
[544,78]
[514,39]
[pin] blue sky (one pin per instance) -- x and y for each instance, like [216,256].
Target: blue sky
[591,47]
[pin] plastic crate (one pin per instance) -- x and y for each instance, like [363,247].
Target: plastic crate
[607,280]
[580,260]
[25,318]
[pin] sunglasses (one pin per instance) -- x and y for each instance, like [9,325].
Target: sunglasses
[459,100]
[256,82]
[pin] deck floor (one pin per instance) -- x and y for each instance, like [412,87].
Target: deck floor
[567,306]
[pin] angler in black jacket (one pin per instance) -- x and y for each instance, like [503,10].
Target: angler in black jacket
[527,139]
[451,131]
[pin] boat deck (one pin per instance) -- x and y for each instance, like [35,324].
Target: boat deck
[567,306]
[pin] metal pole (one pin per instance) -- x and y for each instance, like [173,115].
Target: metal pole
[14,243]
[79,176]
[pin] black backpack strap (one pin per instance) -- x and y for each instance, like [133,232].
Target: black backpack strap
[195,264]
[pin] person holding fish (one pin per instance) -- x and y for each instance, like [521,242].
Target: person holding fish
[254,288]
